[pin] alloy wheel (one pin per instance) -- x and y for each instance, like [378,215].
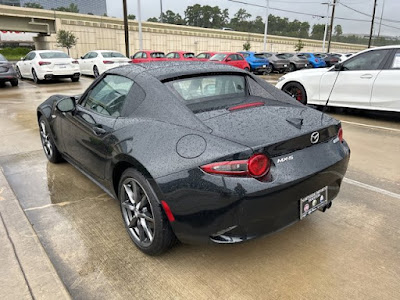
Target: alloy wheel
[19,75]
[35,78]
[96,72]
[137,212]
[45,138]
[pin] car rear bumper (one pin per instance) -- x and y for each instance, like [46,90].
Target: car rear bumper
[8,76]
[221,209]
[279,66]
[54,76]
[258,66]
[301,65]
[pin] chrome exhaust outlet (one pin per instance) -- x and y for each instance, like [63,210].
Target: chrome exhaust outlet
[323,209]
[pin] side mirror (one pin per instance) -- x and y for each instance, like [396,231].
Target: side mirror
[81,57]
[228,59]
[66,104]
[338,67]
[22,58]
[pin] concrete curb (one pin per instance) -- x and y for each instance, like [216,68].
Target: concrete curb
[28,273]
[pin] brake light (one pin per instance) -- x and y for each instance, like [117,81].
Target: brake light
[75,62]
[316,60]
[340,134]
[43,63]
[256,166]
[247,105]
[107,62]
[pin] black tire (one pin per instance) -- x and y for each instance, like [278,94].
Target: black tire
[292,67]
[35,78]
[14,82]
[296,91]
[268,69]
[49,147]
[75,79]
[96,72]
[247,69]
[149,206]
[18,73]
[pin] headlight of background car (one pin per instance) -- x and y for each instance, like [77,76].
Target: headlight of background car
[282,78]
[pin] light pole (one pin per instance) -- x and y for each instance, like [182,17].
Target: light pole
[126,27]
[140,26]
[326,24]
[380,22]
[266,25]
[331,27]
[161,15]
[372,26]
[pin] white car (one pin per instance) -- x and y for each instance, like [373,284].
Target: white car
[48,64]
[97,62]
[368,80]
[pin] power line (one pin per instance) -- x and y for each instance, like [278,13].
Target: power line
[368,15]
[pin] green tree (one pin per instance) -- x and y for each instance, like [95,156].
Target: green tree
[299,46]
[172,18]
[66,39]
[71,8]
[317,32]
[246,46]
[131,17]
[338,31]
[206,16]
[33,5]
[241,21]
[153,19]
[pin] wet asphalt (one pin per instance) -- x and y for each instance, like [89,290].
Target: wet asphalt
[350,252]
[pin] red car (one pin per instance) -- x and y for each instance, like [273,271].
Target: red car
[147,56]
[181,55]
[205,56]
[232,59]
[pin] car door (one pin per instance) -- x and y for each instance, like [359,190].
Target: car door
[137,58]
[231,60]
[88,131]
[84,64]
[92,61]
[385,92]
[27,65]
[353,84]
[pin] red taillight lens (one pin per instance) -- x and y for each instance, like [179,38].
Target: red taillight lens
[256,166]
[340,134]
[43,63]
[75,62]
[316,60]
[107,62]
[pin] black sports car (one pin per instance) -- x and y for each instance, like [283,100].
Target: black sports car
[196,151]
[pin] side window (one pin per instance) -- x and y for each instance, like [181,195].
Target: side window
[170,55]
[202,55]
[144,55]
[93,55]
[108,96]
[366,61]
[137,55]
[28,56]
[396,61]
[177,55]
[239,57]
[232,57]
[86,56]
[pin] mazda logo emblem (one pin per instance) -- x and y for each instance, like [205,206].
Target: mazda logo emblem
[314,137]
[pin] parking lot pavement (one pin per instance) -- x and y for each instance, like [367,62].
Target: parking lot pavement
[349,252]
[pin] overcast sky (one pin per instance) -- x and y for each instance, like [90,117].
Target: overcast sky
[151,8]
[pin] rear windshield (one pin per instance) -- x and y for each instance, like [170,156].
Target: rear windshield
[49,55]
[198,89]
[260,56]
[218,57]
[112,54]
[157,55]
[2,58]
[188,55]
[301,56]
[282,56]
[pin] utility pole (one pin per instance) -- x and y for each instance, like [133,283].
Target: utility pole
[140,26]
[161,15]
[331,28]
[326,24]
[380,23]
[126,27]
[266,25]
[372,25]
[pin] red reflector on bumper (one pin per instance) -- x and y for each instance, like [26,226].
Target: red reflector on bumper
[168,211]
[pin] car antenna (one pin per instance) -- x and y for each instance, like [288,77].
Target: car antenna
[330,93]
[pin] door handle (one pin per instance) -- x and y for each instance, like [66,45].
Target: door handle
[98,130]
[366,76]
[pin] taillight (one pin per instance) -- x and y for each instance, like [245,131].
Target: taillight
[107,62]
[75,62]
[340,134]
[256,166]
[316,60]
[43,63]
[247,105]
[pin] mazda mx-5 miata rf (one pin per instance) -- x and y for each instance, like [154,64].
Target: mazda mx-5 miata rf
[197,152]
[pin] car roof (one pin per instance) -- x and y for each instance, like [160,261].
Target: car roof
[172,69]
[45,51]
[180,52]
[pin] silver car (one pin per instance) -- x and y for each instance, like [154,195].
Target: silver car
[296,61]
[7,72]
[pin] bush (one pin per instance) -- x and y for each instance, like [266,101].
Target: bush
[15,53]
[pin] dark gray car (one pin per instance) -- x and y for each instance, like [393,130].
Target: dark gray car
[296,61]
[279,63]
[7,72]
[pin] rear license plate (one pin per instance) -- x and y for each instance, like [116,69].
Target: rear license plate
[62,66]
[264,66]
[285,66]
[312,202]
[305,65]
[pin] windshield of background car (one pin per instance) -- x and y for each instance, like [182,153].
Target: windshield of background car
[157,55]
[2,58]
[50,55]
[112,54]
[218,57]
